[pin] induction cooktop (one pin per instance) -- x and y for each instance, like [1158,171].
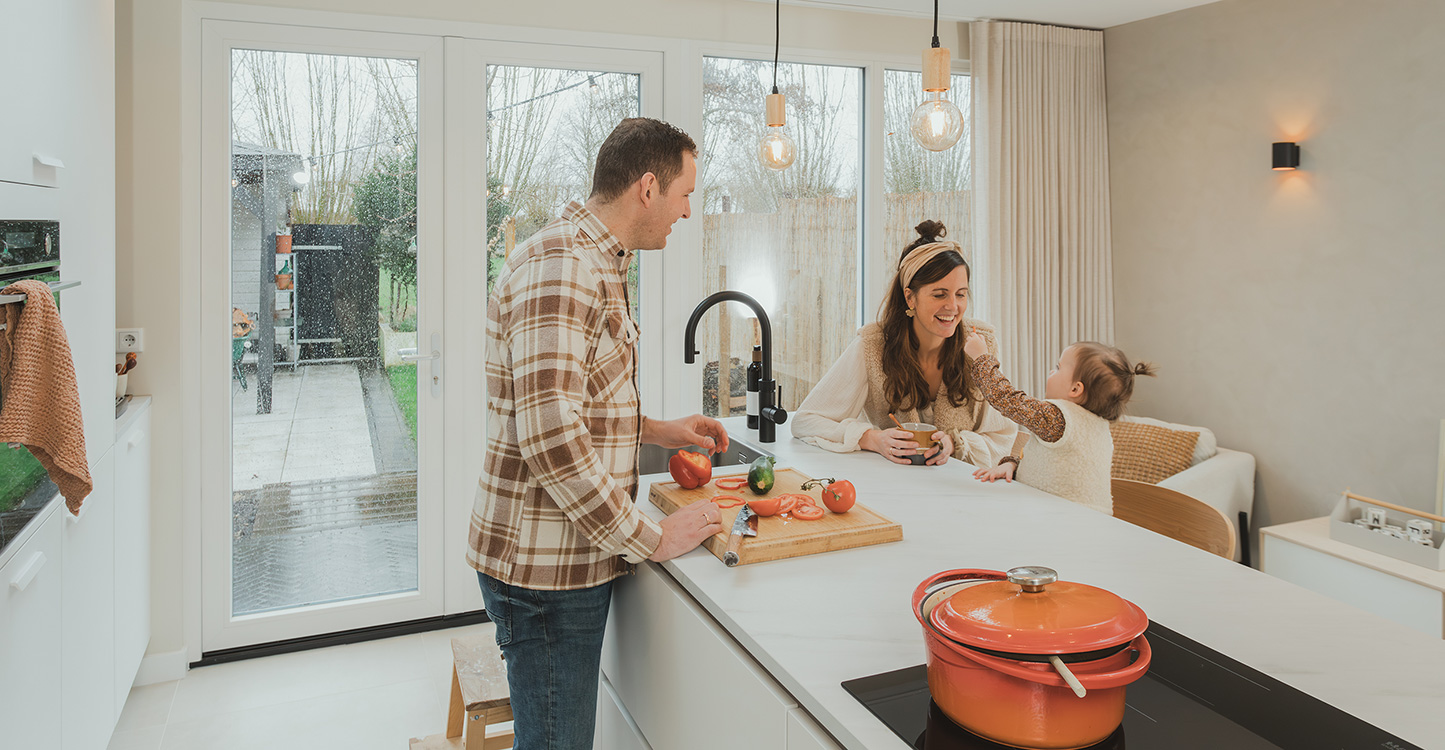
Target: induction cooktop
[1193,698]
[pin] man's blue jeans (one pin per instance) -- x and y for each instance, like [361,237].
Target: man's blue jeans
[552,641]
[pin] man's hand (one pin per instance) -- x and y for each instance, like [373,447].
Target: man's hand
[1004,471]
[704,432]
[686,528]
[974,346]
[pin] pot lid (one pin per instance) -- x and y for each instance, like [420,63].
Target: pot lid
[1035,613]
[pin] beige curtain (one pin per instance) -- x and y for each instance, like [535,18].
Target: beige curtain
[1041,161]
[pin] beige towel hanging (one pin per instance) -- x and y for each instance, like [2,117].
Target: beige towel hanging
[39,401]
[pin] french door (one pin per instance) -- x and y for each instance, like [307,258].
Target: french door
[359,190]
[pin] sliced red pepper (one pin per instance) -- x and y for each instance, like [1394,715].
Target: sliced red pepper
[731,483]
[736,501]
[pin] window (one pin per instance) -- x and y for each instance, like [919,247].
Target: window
[544,127]
[789,239]
[920,184]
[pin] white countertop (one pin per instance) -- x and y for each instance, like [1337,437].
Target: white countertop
[817,621]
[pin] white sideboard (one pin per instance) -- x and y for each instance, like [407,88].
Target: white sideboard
[75,608]
[1304,554]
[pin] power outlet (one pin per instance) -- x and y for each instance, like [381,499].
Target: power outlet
[130,340]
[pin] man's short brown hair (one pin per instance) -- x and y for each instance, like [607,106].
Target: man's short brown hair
[639,145]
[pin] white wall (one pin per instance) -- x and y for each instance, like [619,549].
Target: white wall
[151,64]
[1296,314]
[77,103]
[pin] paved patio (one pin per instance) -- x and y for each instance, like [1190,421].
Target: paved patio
[323,490]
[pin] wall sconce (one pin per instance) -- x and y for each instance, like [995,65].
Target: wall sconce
[1286,156]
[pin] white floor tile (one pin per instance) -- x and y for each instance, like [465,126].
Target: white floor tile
[137,739]
[147,706]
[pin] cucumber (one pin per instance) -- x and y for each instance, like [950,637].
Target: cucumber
[760,476]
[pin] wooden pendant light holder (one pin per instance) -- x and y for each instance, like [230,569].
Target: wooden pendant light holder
[775,111]
[936,69]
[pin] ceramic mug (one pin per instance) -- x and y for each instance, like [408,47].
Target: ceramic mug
[120,386]
[923,435]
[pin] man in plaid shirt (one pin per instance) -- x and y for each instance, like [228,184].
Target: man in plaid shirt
[555,519]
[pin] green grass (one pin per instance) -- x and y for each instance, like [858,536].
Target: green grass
[403,388]
[19,472]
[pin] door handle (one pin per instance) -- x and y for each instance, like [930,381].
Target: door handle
[409,354]
[27,573]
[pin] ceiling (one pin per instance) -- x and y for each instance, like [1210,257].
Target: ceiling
[1096,14]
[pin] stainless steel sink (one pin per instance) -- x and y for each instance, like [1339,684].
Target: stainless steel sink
[652,459]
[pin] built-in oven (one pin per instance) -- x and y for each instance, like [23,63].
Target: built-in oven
[29,249]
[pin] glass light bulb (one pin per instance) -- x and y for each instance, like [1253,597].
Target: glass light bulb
[776,149]
[937,123]
[301,177]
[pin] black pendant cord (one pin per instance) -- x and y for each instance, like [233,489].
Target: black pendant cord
[777,24]
[935,24]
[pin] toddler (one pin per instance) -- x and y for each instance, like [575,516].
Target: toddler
[1071,450]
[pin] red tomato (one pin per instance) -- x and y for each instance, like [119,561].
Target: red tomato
[767,506]
[840,496]
[690,470]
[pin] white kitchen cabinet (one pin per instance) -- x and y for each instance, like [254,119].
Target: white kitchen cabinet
[35,42]
[805,734]
[132,543]
[31,641]
[675,671]
[89,710]
[1304,554]
[615,728]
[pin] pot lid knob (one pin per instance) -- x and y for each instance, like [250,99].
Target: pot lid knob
[1032,578]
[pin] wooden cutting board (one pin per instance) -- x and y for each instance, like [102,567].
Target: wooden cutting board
[778,536]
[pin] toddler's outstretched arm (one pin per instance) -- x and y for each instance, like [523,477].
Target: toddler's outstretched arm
[1039,417]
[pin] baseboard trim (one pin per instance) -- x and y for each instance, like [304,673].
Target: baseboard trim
[336,639]
[162,667]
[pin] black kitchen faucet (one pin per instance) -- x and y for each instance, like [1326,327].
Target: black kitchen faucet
[770,412]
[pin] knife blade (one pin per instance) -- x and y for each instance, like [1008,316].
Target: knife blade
[746,524]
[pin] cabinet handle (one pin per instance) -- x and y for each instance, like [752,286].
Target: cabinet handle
[46,160]
[74,518]
[27,573]
[134,440]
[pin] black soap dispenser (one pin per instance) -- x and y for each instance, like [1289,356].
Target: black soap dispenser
[755,376]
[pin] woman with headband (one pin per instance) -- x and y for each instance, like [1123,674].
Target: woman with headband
[911,364]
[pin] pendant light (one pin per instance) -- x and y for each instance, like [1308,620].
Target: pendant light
[776,149]
[937,123]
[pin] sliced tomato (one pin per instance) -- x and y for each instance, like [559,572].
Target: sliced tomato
[807,512]
[731,483]
[766,506]
[732,501]
[788,503]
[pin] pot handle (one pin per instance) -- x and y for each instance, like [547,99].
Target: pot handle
[1047,676]
[953,576]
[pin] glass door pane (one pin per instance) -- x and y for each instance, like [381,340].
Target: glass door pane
[323,289]
[789,239]
[544,126]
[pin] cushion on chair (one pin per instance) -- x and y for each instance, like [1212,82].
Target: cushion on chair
[1204,449]
[1149,453]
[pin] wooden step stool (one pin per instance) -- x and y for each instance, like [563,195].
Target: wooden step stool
[479,693]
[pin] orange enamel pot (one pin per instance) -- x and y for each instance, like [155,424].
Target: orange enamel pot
[991,636]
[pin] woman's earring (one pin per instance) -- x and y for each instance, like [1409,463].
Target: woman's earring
[908,312]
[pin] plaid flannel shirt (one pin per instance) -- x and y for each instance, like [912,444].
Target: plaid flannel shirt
[555,506]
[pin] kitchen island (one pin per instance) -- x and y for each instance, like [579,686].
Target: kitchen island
[703,656]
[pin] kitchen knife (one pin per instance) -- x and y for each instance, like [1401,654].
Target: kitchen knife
[746,524]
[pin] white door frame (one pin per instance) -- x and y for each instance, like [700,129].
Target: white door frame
[219,629]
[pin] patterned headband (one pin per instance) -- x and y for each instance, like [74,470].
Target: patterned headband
[920,256]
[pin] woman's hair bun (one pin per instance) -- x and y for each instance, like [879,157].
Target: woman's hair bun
[931,230]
